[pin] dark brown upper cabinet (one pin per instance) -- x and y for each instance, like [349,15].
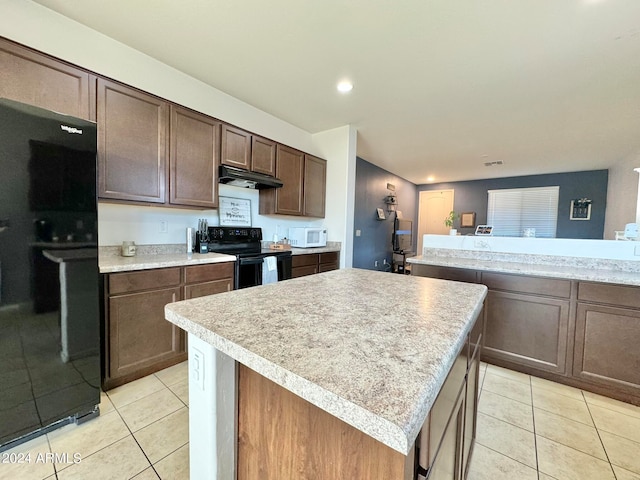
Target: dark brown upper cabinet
[263,155]
[37,79]
[193,160]
[288,199]
[236,147]
[132,143]
[304,177]
[243,150]
[315,186]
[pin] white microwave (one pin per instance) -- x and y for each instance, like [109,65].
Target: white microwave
[305,237]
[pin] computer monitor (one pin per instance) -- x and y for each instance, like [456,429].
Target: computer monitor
[402,235]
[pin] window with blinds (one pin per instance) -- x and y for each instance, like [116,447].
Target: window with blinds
[511,211]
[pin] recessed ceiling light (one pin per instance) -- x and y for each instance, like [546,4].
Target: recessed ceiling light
[345,86]
[430,178]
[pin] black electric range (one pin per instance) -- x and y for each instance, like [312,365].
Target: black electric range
[246,244]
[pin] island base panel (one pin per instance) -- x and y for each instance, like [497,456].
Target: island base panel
[212,412]
[282,436]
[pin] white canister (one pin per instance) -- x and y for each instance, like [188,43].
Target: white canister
[128,249]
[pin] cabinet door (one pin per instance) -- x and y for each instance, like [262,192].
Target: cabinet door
[193,171]
[236,147]
[527,329]
[447,463]
[132,144]
[303,271]
[606,347]
[139,336]
[34,78]
[263,155]
[289,169]
[315,184]
[470,409]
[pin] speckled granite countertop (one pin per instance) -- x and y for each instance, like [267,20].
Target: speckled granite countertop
[371,348]
[571,268]
[154,256]
[174,255]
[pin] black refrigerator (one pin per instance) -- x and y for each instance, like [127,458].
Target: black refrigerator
[49,280]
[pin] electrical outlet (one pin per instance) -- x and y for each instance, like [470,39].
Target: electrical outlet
[480,243]
[375,264]
[384,262]
[196,362]
[164,226]
[358,233]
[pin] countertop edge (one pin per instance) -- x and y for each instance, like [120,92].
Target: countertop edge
[531,269]
[149,262]
[309,391]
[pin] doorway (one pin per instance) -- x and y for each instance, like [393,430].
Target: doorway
[434,206]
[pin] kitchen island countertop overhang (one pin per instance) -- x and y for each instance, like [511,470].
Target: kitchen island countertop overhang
[370,348]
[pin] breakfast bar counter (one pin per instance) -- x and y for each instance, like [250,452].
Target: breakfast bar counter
[368,348]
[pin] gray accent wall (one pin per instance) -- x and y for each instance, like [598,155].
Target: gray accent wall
[471,196]
[374,243]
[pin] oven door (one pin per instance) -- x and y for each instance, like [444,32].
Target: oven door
[249,269]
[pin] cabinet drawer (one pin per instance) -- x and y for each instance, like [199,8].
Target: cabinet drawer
[207,273]
[618,295]
[329,257]
[535,285]
[326,267]
[143,280]
[304,260]
[207,288]
[303,271]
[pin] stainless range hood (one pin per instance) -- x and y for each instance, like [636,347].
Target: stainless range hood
[241,178]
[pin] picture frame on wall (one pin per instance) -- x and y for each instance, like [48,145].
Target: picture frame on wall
[235,212]
[486,230]
[468,219]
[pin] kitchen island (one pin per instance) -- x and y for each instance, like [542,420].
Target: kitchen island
[367,349]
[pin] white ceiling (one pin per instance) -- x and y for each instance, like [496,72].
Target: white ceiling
[441,86]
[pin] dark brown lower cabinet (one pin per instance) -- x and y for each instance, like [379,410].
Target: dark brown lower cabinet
[138,339]
[584,334]
[447,437]
[471,403]
[607,345]
[527,329]
[311,263]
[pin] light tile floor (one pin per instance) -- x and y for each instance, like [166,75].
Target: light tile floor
[528,428]
[142,433]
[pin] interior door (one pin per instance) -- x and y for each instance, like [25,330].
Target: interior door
[434,207]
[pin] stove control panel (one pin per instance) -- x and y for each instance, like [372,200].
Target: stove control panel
[235,234]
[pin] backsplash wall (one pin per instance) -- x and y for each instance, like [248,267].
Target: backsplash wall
[141,224]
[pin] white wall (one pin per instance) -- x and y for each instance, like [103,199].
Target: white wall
[338,146]
[565,247]
[42,29]
[623,195]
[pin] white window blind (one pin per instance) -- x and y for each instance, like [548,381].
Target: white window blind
[512,210]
